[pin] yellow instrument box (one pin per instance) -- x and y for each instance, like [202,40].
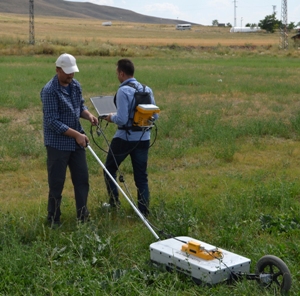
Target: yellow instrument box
[144,113]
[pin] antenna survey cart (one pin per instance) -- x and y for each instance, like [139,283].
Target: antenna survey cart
[203,262]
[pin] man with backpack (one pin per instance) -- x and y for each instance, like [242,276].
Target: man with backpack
[129,139]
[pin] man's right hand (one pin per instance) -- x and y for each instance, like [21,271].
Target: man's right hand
[82,140]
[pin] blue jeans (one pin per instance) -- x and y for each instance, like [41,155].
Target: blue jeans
[57,163]
[138,151]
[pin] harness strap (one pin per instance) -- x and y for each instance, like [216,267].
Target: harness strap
[131,128]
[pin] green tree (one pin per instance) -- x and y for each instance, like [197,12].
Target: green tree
[291,26]
[229,25]
[270,23]
[251,25]
[215,22]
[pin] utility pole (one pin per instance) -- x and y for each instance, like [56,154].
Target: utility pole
[31,22]
[284,43]
[234,13]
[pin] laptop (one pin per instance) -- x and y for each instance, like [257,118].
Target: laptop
[104,105]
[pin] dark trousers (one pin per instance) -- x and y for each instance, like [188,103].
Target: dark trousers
[138,151]
[57,163]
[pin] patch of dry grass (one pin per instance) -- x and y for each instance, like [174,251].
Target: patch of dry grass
[87,31]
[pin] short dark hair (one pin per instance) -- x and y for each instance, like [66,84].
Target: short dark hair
[126,66]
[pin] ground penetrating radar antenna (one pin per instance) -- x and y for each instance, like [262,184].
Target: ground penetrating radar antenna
[284,43]
[31,22]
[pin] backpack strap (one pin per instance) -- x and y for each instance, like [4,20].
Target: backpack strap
[131,85]
[125,127]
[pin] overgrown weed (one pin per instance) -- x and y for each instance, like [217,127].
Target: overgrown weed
[224,159]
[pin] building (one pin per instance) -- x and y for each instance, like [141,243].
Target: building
[296,37]
[244,29]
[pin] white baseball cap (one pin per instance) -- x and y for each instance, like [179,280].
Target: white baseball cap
[67,62]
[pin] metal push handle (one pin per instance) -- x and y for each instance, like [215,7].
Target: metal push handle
[128,199]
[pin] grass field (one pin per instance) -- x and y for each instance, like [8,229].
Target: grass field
[91,30]
[224,168]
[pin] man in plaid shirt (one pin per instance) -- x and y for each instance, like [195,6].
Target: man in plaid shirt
[64,138]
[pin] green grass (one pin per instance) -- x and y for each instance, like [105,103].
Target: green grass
[224,169]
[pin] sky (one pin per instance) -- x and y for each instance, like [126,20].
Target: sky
[204,12]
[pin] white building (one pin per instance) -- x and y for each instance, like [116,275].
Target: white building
[244,29]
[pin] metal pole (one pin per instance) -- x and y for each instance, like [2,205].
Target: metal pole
[234,13]
[128,199]
[31,22]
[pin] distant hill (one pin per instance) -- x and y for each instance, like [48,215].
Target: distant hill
[62,8]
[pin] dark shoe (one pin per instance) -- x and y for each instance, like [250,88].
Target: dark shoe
[83,214]
[54,224]
[114,203]
[144,210]
[84,219]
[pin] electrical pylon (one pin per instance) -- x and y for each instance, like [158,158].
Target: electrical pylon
[284,43]
[31,22]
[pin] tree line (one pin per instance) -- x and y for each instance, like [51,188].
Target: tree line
[270,23]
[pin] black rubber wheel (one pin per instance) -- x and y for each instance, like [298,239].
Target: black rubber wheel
[280,276]
[197,281]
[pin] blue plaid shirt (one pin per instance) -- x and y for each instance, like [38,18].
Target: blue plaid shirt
[61,111]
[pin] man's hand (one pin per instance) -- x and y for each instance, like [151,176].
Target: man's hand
[108,117]
[89,116]
[93,120]
[82,140]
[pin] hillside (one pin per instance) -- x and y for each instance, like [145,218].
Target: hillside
[60,8]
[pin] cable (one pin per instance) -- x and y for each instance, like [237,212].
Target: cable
[100,132]
[160,231]
[121,176]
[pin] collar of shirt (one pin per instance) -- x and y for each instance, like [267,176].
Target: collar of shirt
[128,81]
